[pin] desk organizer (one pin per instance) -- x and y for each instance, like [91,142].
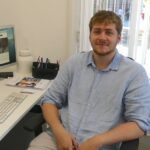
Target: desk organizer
[45,70]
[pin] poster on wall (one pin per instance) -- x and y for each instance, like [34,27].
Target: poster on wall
[7,45]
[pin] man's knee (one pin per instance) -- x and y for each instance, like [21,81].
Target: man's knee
[43,142]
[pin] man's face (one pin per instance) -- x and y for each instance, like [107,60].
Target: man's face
[104,38]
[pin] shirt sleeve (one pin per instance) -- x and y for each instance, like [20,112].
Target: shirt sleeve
[57,92]
[137,100]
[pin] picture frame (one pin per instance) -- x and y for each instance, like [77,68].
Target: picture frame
[7,45]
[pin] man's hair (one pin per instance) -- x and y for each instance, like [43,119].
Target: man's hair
[106,17]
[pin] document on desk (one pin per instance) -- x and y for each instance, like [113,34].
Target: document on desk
[28,82]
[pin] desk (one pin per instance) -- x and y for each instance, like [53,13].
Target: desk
[21,111]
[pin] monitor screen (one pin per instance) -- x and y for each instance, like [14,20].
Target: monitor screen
[7,46]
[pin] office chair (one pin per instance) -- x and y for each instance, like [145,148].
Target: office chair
[35,121]
[130,145]
[19,137]
[35,124]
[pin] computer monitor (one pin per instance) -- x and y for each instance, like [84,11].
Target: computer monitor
[7,46]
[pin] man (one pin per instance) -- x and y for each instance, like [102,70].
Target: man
[99,98]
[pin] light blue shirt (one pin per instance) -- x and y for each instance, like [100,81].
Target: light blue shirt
[94,101]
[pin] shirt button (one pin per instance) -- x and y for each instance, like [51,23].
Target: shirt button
[88,105]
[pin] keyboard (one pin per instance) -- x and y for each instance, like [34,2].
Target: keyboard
[6,74]
[9,104]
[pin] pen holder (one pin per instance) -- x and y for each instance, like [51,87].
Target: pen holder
[45,70]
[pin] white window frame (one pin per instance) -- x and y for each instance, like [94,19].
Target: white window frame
[86,11]
[85,15]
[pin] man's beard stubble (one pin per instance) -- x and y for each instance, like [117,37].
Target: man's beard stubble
[103,54]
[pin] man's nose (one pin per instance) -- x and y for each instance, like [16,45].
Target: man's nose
[102,35]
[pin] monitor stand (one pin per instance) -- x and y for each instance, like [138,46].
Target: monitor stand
[9,68]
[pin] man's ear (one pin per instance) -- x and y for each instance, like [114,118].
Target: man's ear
[119,38]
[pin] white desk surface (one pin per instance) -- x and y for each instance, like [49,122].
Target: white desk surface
[21,111]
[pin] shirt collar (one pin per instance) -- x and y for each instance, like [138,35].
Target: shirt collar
[114,65]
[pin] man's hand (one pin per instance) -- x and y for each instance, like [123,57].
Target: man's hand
[64,139]
[90,144]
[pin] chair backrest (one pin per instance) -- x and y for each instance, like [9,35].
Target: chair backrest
[130,58]
[130,145]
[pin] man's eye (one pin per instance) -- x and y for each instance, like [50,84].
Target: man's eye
[109,32]
[96,32]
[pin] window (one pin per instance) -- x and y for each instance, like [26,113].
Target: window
[135,15]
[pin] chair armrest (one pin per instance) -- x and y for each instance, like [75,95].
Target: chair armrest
[34,121]
[130,145]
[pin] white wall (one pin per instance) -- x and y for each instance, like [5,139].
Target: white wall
[40,25]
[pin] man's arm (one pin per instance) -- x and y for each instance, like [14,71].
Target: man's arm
[124,132]
[63,138]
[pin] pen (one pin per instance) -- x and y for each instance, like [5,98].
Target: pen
[27,92]
[38,61]
[41,64]
[58,61]
[47,61]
